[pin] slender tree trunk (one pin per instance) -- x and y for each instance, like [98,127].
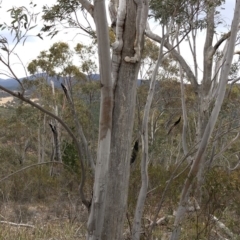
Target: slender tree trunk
[98,205]
[210,125]
[55,126]
[43,139]
[87,156]
[39,144]
[184,107]
[136,229]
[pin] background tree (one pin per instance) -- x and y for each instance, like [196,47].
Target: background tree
[118,81]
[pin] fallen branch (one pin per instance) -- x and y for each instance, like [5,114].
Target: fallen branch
[223,227]
[219,236]
[17,224]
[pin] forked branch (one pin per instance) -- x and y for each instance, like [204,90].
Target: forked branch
[21,97]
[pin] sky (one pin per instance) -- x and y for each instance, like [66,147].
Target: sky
[34,45]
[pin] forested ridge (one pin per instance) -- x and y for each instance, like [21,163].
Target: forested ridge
[132,134]
[34,192]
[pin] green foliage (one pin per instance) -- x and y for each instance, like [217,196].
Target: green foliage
[70,156]
[59,57]
[164,10]
[234,70]
[158,179]
[221,193]
[180,12]
[22,22]
[150,50]
[86,54]
[58,61]
[65,11]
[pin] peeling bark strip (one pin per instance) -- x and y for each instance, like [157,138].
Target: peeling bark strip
[141,19]
[112,8]
[120,24]
[176,123]
[118,44]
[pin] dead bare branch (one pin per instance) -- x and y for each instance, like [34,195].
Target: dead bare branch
[17,224]
[21,97]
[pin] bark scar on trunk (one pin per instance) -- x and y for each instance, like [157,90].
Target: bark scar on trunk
[105,124]
[141,19]
[118,44]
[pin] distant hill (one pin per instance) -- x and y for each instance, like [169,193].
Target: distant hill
[13,85]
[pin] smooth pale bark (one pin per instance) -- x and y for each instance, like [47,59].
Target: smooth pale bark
[88,6]
[184,112]
[184,107]
[210,125]
[56,138]
[203,91]
[206,95]
[136,229]
[98,205]
[43,139]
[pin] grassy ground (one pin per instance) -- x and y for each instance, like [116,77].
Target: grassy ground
[42,223]
[58,230]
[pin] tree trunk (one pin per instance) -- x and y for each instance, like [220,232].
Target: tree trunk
[210,126]
[136,229]
[123,119]
[98,205]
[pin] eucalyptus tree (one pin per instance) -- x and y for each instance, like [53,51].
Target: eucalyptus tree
[118,93]
[118,87]
[118,90]
[210,90]
[56,66]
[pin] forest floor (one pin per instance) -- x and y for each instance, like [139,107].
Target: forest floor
[39,222]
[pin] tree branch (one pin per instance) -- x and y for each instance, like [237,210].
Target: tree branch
[88,6]
[20,96]
[34,165]
[79,127]
[176,55]
[220,41]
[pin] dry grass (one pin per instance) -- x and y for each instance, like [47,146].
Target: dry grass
[54,230]
[47,223]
